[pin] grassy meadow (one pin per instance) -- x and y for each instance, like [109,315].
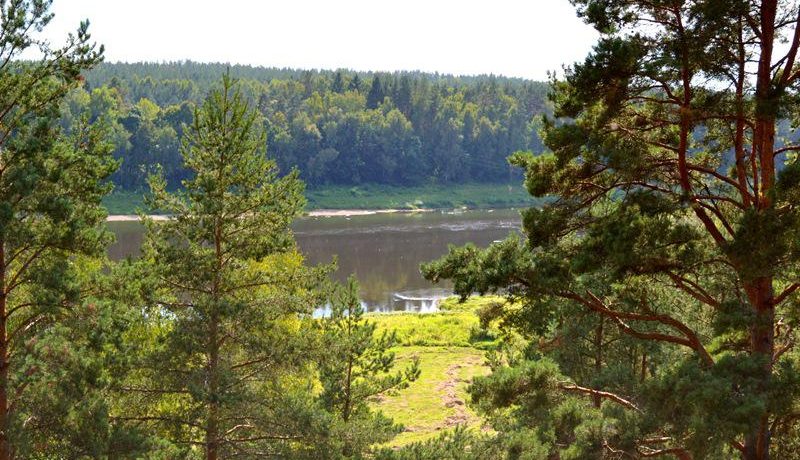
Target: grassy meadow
[450,349]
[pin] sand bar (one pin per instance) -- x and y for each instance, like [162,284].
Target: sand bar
[314,213]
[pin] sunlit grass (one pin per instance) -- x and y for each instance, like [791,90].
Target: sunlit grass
[450,355]
[422,408]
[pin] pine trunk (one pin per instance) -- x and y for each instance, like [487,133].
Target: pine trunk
[760,291]
[5,447]
[212,426]
[762,344]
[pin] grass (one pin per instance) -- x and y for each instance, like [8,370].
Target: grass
[450,355]
[430,329]
[380,197]
[428,196]
[438,399]
[123,202]
[471,304]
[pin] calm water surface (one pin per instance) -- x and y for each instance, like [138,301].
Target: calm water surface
[383,250]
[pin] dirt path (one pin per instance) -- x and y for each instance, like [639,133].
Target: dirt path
[450,397]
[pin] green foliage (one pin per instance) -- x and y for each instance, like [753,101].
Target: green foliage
[356,366]
[339,128]
[76,368]
[528,395]
[227,336]
[460,444]
[57,340]
[664,269]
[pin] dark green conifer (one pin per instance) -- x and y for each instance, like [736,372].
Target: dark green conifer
[670,219]
[51,222]
[228,359]
[376,93]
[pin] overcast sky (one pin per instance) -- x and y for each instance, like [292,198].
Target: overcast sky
[520,38]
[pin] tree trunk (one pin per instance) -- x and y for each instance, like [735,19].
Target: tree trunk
[212,425]
[760,291]
[762,345]
[598,358]
[5,447]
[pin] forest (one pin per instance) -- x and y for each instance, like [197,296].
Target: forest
[647,306]
[336,127]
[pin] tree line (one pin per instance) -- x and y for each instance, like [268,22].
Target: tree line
[337,127]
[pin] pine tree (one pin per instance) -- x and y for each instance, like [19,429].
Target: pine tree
[229,288]
[355,84]
[50,215]
[357,365]
[673,220]
[376,93]
[338,83]
[402,98]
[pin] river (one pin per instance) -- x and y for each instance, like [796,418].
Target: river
[384,251]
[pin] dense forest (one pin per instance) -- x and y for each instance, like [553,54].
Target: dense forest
[336,127]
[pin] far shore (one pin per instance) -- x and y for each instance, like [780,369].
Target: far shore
[361,212]
[314,213]
[133,217]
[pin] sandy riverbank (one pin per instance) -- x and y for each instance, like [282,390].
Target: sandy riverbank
[315,213]
[132,218]
[360,212]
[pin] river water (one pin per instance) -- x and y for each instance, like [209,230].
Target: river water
[384,251]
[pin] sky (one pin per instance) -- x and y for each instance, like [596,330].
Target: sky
[517,38]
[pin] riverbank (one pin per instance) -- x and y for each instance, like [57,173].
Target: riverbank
[379,197]
[317,213]
[360,212]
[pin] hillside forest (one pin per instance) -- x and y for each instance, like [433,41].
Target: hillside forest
[336,127]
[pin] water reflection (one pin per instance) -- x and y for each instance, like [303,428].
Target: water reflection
[384,251]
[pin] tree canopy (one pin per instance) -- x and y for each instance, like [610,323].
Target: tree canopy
[337,128]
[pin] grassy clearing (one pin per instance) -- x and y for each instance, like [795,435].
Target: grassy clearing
[451,354]
[438,399]
[431,329]
[471,304]
[380,197]
[456,325]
